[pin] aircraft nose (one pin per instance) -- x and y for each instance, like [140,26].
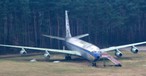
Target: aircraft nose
[97,55]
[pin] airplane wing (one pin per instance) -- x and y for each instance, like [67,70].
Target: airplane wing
[122,46]
[45,49]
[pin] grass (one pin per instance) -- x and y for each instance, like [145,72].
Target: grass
[133,65]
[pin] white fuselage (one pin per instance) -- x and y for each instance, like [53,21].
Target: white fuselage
[87,50]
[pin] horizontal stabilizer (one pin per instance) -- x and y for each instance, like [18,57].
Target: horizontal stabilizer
[55,37]
[81,36]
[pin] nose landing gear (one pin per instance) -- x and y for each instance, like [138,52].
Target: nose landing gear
[68,57]
[94,64]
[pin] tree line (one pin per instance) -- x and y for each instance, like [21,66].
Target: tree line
[109,22]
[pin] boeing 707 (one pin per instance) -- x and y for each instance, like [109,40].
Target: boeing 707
[81,48]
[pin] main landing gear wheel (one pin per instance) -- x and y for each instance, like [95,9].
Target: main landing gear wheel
[118,65]
[94,64]
[67,57]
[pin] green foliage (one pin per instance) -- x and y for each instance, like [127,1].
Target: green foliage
[109,22]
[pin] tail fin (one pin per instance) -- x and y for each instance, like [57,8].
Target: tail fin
[68,34]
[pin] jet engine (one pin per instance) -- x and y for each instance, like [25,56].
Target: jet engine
[23,51]
[134,50]
[47,55]
[118,53]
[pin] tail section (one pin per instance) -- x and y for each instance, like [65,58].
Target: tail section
[68,34]
[67,26]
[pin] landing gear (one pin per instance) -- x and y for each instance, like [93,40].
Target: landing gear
[118,65]
[67,57]
[94,64]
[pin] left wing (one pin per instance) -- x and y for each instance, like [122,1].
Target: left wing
[45,49]
[122,46]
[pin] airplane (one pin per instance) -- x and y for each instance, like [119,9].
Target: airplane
[81,48]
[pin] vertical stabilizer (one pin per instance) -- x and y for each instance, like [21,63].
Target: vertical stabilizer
[68,34]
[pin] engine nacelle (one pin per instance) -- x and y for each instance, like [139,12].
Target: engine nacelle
[23,51]
[118,53]
[134,50]
[47,55]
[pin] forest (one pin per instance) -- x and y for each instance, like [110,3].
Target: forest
[109,22]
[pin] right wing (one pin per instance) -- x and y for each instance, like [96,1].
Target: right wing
[45,49]
[122,46]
